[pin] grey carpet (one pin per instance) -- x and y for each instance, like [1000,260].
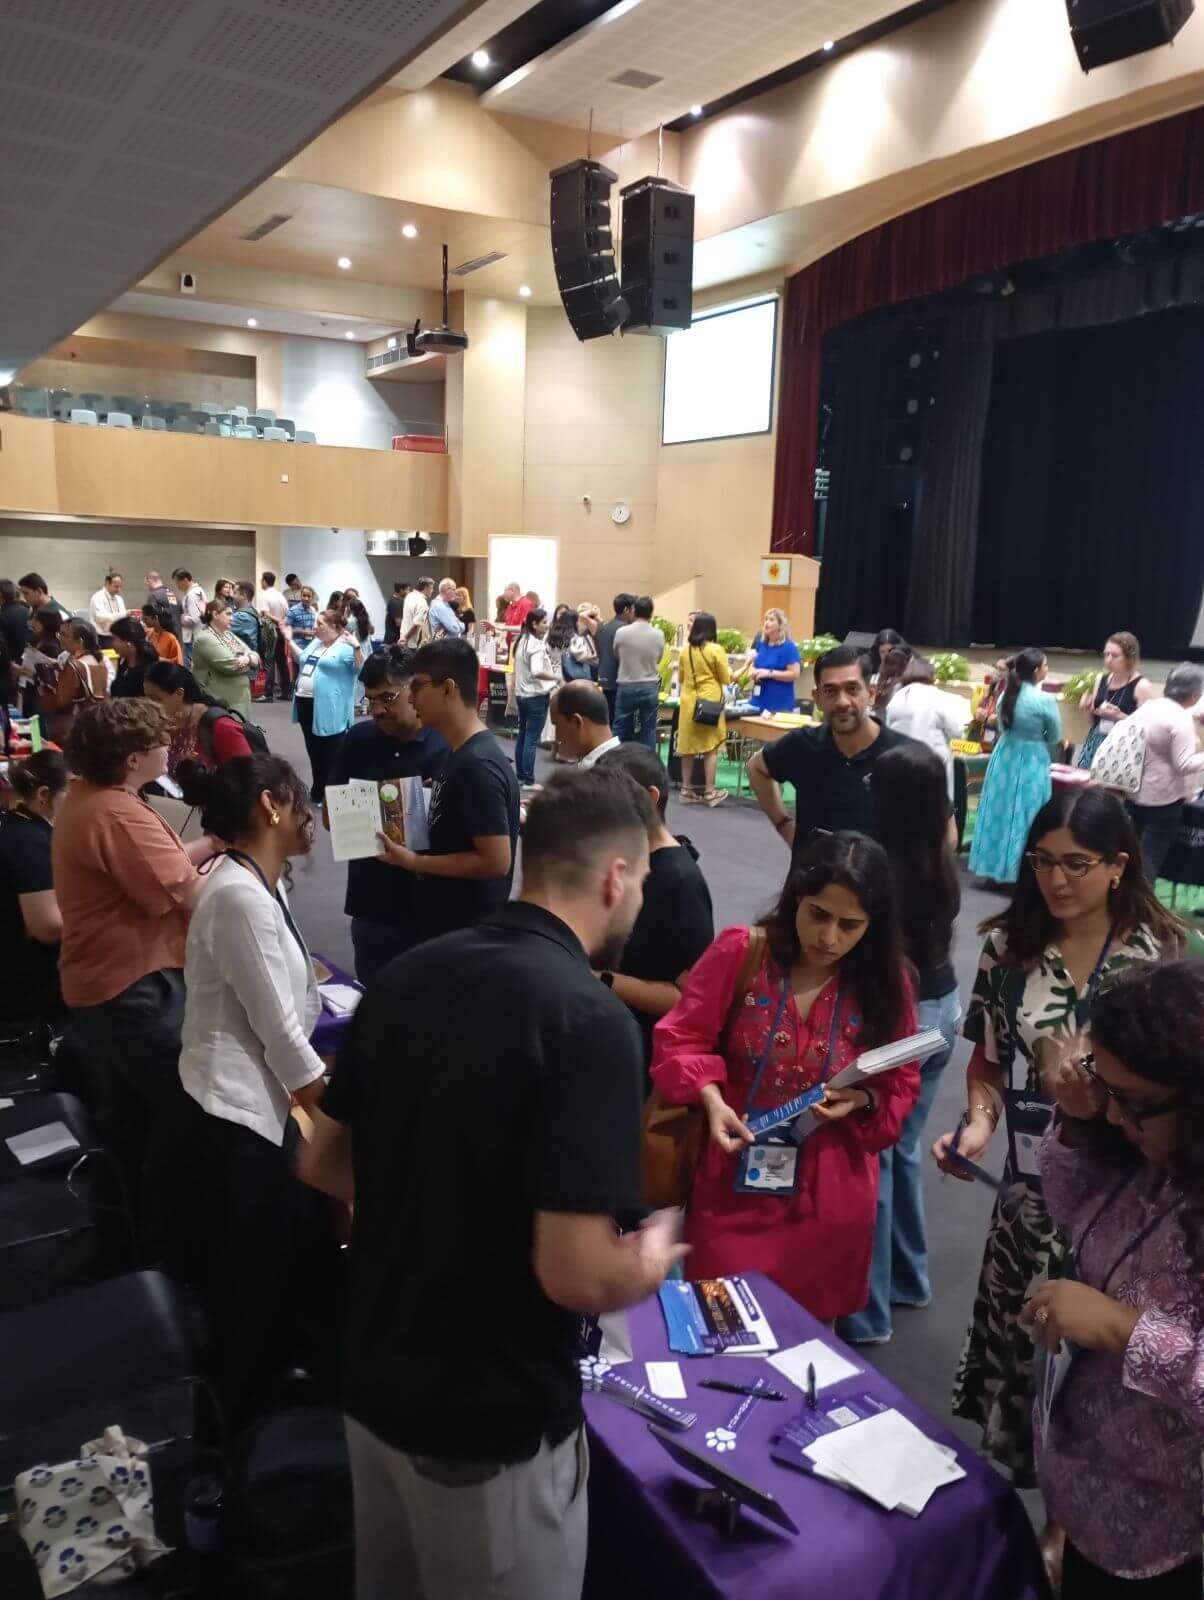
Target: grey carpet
[744,864]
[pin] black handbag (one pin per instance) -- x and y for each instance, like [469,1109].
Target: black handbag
[706,712]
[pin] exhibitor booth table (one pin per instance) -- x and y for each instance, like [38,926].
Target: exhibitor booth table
[973,1540]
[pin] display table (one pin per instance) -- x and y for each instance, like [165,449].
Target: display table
[973,1541]
[329,1029]
[767,730]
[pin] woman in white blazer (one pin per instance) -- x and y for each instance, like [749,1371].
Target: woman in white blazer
[247,1233]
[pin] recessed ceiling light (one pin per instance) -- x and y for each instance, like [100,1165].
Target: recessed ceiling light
[829,44]
[524,290]
[349,334]
[695,111]
[251,322]
[409,231]
[344,262]
[391,344]
[481,59]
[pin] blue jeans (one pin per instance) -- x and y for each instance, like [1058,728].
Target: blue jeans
[635,713]
[532,714]
[899,1269]
[188,653]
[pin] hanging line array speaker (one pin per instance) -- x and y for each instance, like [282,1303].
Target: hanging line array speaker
[1111,30]
[583,251]
[658,256]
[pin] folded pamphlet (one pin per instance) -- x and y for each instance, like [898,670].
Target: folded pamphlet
[918,1047]
[715,1316]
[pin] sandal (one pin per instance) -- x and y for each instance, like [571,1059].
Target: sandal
[715,797]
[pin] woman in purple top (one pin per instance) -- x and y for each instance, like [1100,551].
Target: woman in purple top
[1123,1173]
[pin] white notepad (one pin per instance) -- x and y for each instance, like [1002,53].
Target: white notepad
[51,1139]
[829,1367]
[888,1459]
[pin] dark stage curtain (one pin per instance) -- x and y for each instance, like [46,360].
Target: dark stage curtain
[1119,185]
[1092,499]
[940,594]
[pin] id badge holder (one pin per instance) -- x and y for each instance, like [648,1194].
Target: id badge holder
[770,1167]
[1028,1117]
[308,668]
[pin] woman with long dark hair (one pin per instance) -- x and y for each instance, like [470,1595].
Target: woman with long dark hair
[1081,911]
[135,655]
[1017,783]
[911,816]
[705,672]
[31,925]
[204,733]
[767,1014]
[890,677]
[1123,1171]
[534,679]
[886,640]
[249,1235]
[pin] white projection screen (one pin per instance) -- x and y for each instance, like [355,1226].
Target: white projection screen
[719,374]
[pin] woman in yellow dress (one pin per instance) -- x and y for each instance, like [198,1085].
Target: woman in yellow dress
[704,672]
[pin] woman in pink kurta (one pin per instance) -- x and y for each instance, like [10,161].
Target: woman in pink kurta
[830,981]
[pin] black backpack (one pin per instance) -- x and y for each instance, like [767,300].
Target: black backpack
[252,732]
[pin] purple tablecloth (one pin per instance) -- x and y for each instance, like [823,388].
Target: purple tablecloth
[973,1541]
[329,1031]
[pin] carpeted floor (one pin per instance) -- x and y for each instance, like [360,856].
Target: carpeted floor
[744,864]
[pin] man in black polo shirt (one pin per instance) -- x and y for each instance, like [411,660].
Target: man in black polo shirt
[828,766]
[380,899]
[485,1178]
[608,663]
[466,871]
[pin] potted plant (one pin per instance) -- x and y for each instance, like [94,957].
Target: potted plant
[949,667]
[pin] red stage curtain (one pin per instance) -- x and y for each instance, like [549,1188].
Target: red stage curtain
[1119,185]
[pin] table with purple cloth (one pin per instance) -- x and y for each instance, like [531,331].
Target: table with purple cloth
[329,1029]
[972,1542]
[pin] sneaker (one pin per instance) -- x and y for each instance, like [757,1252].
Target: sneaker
[716,797]
[869,1338]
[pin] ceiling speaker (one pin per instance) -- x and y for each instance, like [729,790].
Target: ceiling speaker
[1110,30]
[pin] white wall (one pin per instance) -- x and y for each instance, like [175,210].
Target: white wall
[74,556]
[330,561]
[323,388]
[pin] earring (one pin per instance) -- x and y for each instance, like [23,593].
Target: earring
[274,819]
[1116,883]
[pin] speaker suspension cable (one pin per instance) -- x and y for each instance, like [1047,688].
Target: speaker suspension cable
[589,136]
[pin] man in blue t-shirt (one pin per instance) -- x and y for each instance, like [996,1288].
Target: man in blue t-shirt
[303,616]
[381,899]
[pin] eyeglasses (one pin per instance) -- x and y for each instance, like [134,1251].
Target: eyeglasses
[1072,866]
[417,685]
[1138,1112]
[389,699]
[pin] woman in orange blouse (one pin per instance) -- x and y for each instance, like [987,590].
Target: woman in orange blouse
[163,639]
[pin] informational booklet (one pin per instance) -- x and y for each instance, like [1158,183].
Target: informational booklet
[918,1047]
[355,819]
[1051,1368]
[715,1316]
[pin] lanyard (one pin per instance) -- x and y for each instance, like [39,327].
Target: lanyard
[252,865]
[1138,1238]
[1082,1008]
[764,1056]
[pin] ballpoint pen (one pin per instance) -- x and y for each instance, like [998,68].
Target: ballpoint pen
[740,1388]
[811,1384]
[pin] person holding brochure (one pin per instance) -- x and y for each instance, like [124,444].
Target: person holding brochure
[390,748]
[461,1387]
[771,1012]
[464,875]
[1081,912]
[254,1242]
[1119,1458]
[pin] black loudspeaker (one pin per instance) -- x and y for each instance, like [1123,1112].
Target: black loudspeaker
[658,255]
[583,251]
[1110,30]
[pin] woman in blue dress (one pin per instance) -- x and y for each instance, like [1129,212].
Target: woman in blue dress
[776,664]
[1017,784]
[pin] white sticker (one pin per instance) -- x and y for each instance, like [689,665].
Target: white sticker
[665,1379]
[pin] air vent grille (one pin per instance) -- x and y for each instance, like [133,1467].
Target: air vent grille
[268,225]
[477,263]
[633,78]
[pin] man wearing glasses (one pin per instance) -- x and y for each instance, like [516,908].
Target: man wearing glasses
[828,767]
[465,873]
[386,749]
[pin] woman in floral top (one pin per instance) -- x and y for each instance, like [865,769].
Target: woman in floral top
[1081,911]
[1123,1169]
[826,980]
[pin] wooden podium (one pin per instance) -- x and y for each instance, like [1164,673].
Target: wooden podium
[790,582]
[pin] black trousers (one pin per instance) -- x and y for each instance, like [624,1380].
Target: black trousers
[130,1050]
[259,1248]
[321,748]
[1157,829]
[276,670]
[1083,1580]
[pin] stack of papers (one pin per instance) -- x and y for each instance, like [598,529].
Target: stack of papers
[715,1316]
[871,1062]
[829,1367]
[887,1459]
[340,999]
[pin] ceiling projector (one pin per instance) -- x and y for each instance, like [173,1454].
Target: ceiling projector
[442,340]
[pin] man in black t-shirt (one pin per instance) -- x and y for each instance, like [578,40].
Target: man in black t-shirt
[485,1180]
[829,767]
[394,609]
[394,745]
[608,664]
[676,922]
[465,873]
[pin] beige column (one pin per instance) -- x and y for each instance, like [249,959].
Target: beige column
[267,552]
[485,398]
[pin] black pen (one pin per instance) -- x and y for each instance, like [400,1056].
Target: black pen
[811,1384]
[740,1388]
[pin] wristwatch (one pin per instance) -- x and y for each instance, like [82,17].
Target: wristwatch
[608,978]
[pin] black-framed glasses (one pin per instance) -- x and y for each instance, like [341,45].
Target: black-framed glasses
[1073,866]
[1138,1112]
[417,685]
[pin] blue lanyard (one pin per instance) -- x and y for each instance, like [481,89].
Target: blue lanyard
[763,1059]
[1082,1008]
[252,865]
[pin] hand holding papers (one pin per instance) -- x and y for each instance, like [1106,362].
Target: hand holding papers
[355,819]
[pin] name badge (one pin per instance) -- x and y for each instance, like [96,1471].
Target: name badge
[769,1168]
[308,668]
[1028,1118]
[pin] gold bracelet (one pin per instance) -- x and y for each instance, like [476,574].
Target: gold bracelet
[989,1110]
